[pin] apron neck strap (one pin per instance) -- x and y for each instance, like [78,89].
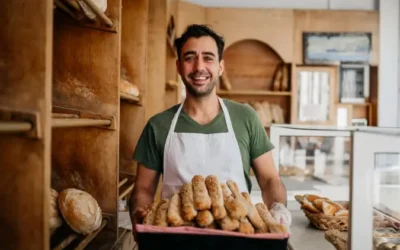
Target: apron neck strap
[224,109]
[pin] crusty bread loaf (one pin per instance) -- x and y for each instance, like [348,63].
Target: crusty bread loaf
[80,210]
[217,198]
[129,88]
[266,216]
[311,197]
[343,212]
[309,206]
[55,220]
[188,210]
[317,203]
[253,215]
[245,226]
[229,224]
[201,199]
[236,209]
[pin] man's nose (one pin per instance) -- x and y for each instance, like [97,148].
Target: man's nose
[199,64]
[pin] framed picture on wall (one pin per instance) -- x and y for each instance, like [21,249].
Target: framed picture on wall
[354,83]
[336,47]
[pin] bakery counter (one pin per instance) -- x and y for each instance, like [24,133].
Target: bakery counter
[304,236]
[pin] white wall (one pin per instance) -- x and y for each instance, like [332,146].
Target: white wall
[291,4]
[389,88]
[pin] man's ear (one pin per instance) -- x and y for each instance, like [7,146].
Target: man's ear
[221,67]
[178,66]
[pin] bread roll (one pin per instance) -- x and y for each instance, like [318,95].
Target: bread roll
[129,88]
[317,203]
[217,198]
[80,210]
[342,213]
[149,218]
[202,200]
[311,197]
[55,220]
[309,206]
[161,215]
[235,208]
[188,210]
[174,211]
[329,208]
[273,226]
[253,215]
[204,218]
[229,224]
[245,226]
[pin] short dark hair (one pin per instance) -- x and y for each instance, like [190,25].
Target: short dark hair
[199,30]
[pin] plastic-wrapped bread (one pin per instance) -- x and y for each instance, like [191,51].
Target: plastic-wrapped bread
[217,198]
[161,215]
[188,210]
[89,13]
[253,215]
[204,218]
[236,209]
[174,217]
[265,215]
[149,218]
[245,226]
[80,210]
[202,200]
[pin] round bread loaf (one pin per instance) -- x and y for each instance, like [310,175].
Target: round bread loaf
[55,220]
[80,210]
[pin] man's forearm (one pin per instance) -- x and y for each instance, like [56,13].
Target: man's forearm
[274,191]
[140,199]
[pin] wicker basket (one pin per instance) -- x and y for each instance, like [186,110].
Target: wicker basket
[325,222]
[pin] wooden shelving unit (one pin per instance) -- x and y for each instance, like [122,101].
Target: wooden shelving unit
[129,98]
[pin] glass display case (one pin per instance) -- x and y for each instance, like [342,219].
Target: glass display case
[313,159]
[375,196]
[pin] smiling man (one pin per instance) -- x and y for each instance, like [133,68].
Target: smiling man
[204,134]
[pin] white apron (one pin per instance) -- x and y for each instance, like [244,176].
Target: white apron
[189,154]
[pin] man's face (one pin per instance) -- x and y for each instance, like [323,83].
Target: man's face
[199,66]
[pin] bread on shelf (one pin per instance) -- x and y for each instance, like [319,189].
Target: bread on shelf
[55,220]
[80,210]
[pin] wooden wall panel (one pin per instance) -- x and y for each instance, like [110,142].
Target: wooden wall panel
[156,55]
[335,21]
[134,59]
[25,85]
[273,27]
[189,13]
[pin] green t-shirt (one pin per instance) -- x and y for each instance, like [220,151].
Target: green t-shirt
[250,134]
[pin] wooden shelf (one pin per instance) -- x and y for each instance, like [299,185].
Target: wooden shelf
[14,127]
[130,98]
[85,240]
[254,92]
[102,22]
[126,191]
[122,182]
[78,122]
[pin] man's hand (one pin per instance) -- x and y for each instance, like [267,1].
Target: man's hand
[137,218]
[281,214]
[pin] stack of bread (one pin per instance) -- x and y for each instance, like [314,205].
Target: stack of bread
[77,208]
[268,113]
[324,213]
[207,203]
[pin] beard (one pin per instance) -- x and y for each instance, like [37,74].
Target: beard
[193,91]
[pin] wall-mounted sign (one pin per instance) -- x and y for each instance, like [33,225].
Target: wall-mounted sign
[336,48]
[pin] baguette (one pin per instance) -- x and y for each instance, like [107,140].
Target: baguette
[311,197]
[309,206]
[149,218]
[273,226]
[204,218]
[161,214]
[253,215]
[343,212]
[174,211]
[245,226]
[188,210]
[202,200]
[217,198]
[235,208]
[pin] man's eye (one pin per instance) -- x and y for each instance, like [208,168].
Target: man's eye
[189,58]
[208,58]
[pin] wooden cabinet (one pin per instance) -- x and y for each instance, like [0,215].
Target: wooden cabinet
[64,120]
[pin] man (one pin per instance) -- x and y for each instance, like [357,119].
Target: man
[205,134]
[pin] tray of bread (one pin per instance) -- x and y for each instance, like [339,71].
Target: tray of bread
[324,213]
[208,214]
